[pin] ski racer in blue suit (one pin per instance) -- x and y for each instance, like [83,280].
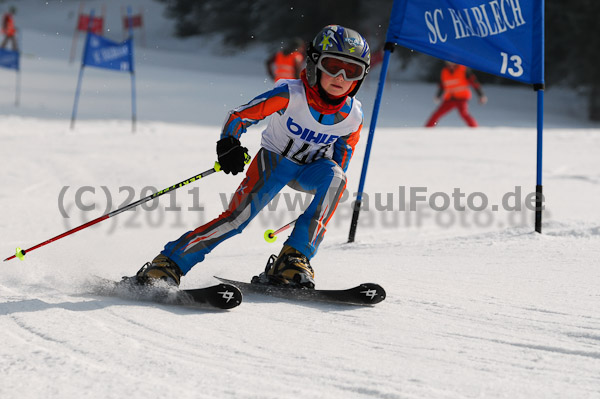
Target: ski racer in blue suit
[314,125]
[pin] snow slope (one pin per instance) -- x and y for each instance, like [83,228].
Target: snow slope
[478,305]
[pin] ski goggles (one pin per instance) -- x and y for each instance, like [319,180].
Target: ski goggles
[334,65]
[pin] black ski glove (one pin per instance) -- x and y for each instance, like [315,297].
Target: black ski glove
[231,155]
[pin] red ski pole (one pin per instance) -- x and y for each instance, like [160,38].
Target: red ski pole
[20,253]
[271,236]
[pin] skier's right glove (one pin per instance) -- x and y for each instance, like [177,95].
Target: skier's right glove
[231,155]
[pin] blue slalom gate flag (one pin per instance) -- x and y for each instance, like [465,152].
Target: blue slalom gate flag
[104,53]
[9,59]
[100,52]
[501,37]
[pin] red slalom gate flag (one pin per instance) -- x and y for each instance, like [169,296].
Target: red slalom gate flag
[136,21]
[97,24]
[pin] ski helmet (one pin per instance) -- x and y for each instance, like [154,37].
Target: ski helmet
[338,41]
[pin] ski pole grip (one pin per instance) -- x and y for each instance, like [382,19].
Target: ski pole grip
[247,160]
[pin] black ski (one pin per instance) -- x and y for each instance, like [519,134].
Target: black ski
[222,296]
[363,294]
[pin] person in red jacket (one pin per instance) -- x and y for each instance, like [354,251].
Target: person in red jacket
[288,62]
[454,85]
[9,30]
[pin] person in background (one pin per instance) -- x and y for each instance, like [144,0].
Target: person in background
[454,85]
[314,125]
[9,30]
[288,62]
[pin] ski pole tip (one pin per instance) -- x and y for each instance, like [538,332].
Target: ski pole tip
[270,236]
[20,253]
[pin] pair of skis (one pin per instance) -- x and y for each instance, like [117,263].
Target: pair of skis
[229,293]
[226,295]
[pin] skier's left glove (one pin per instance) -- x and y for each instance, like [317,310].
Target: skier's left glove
[231,155]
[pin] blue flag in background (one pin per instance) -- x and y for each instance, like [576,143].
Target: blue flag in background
[103,53]
[9,59]
[501,37]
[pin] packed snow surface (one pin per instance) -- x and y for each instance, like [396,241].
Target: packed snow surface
[478,304]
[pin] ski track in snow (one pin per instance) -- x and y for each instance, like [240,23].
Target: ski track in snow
[477,304]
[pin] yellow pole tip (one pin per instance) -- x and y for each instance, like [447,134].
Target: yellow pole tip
[217,167]
[270,236]
[20,254]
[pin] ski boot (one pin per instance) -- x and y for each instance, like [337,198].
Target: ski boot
[290,268]
[160,269]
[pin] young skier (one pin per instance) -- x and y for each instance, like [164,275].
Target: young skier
[314,126]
